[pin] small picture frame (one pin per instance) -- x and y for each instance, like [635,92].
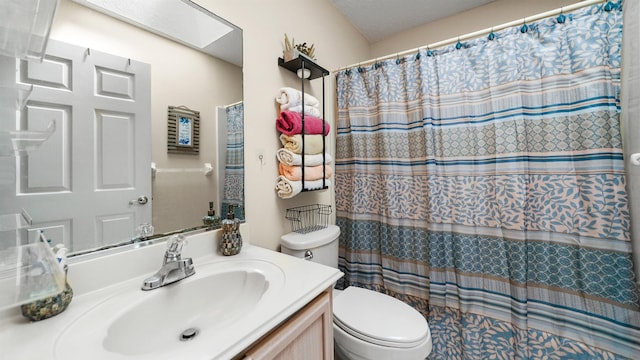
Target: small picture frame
[183,130]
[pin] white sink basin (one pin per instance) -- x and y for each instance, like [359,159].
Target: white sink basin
[134,323]
[233,300]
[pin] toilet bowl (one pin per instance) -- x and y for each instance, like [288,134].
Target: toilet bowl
[367,325]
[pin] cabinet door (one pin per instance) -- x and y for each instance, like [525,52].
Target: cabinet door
[307,335]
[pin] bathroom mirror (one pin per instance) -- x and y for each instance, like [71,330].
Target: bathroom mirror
[182,186]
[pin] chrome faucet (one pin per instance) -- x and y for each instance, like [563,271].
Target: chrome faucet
[173,269]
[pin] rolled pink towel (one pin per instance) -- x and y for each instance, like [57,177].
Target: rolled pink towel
[290,123]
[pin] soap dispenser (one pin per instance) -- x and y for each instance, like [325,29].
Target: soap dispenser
[231,242]
[211,219]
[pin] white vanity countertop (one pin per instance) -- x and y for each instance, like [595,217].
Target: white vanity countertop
[97,280]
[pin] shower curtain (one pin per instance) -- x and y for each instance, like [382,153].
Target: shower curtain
[233,188]
[483,183]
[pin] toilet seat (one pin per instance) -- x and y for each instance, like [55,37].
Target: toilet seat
[379,319]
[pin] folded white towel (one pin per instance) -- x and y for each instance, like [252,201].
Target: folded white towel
[288,157]
[290,97]
[287,188]
[308,110]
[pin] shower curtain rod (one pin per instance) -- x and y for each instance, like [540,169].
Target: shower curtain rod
[475,34]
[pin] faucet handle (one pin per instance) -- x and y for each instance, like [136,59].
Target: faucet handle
[144,230]
[175,245]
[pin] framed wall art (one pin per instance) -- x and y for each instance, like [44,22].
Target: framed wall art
[183,130]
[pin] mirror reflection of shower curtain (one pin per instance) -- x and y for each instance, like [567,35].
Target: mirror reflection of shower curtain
[233,183]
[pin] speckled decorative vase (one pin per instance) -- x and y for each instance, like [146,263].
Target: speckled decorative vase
[231,243]
[48,307]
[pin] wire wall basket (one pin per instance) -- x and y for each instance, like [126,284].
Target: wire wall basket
[308,218]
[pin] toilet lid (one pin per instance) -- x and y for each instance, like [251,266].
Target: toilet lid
[378,318]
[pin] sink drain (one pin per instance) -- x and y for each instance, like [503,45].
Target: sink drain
[189,334]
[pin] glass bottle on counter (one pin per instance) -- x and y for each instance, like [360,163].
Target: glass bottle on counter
[211,219]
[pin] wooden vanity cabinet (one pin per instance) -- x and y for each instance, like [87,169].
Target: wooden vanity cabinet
[308,334]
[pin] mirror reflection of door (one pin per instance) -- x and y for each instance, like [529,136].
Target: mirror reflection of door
[82,185]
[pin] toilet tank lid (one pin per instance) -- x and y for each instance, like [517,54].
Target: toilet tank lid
[297,241]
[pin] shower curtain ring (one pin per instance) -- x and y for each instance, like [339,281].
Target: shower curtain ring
[561,18]
[609,6]
[524,27]
[458,44]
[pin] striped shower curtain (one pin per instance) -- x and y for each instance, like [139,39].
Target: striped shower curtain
[483,183]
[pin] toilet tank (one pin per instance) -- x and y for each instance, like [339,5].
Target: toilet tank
[319,246]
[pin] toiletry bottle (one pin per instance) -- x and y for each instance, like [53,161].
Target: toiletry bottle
[231,242]
[211,219]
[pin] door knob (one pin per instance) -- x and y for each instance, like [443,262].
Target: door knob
[141,200]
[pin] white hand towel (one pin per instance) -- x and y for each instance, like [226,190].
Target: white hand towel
[290,97]
[308,110]
[288,157]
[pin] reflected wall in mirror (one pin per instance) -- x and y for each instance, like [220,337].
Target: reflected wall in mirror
[181,188]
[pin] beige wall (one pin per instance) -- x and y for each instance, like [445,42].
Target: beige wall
[483,17]
[264,24]
[338,44]
[204,82]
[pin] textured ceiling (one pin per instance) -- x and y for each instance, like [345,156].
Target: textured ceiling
[378,19]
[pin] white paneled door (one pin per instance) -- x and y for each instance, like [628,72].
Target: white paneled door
[79,185]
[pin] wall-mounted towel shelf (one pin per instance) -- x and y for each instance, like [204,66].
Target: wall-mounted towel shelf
[18,142]
[9,222]
[14,95]
[316,71]
[25,27]
[304,62]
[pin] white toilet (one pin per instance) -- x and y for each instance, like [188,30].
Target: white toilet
[367,325]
